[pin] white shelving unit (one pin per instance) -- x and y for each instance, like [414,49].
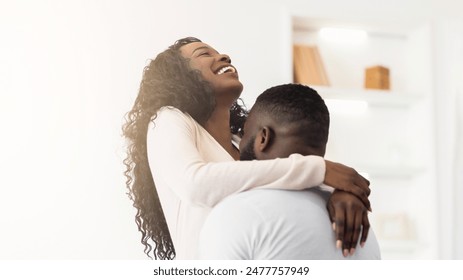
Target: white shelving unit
[388,136]
[375,98]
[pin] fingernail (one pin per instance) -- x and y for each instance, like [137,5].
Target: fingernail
[334,226]
[338,244]
[362,244]
[352,251]
[345,252]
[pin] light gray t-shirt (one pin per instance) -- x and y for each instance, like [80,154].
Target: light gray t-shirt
[264,224]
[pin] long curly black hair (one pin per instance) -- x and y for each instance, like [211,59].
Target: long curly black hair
[168,80]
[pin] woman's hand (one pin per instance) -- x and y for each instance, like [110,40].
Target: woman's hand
[349,217]
[344,178]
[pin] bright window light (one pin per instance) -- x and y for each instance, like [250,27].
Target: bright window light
[351,107]
[343,35]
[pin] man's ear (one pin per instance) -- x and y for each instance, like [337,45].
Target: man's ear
[264,139]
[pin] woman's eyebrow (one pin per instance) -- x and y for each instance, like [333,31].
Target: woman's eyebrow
[204,47]
[199,48]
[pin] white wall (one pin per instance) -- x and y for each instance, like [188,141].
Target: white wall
[69,70]
[448,104]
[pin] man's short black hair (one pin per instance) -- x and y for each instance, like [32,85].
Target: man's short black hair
[296,104]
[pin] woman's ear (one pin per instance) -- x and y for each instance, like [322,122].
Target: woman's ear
[264,139]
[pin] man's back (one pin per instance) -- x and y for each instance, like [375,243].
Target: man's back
[275,224]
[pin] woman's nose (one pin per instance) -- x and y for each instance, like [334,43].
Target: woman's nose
[224,57]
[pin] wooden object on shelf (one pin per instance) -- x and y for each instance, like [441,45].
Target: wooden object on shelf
[308,66]
[377,77]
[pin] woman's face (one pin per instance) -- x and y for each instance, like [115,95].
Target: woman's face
[216,69]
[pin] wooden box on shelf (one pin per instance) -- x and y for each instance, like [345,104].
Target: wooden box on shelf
[377,77]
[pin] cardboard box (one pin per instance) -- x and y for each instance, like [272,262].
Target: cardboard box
[377,77]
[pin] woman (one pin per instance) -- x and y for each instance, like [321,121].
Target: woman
[180,135]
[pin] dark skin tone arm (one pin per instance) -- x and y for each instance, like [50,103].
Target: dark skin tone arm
[348,210]
[346,179]
[350,218]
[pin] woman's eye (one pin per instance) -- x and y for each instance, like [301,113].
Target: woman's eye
[204,53]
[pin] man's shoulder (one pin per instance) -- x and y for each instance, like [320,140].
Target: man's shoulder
[247,204]
[266,201]
[250,196]
[260,193]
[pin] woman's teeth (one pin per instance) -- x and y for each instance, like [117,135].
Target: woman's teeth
[226,69]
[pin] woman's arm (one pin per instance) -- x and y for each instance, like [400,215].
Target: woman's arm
[347,179]
[349,217]
[174,156]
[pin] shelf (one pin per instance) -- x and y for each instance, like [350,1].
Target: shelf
[382,133]
[376,98]
[398,246]
[392,172]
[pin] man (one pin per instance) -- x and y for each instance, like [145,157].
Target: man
[280,224]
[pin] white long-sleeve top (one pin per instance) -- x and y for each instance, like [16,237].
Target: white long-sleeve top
[193,172]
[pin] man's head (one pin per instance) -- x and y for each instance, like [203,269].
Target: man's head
[286,119]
